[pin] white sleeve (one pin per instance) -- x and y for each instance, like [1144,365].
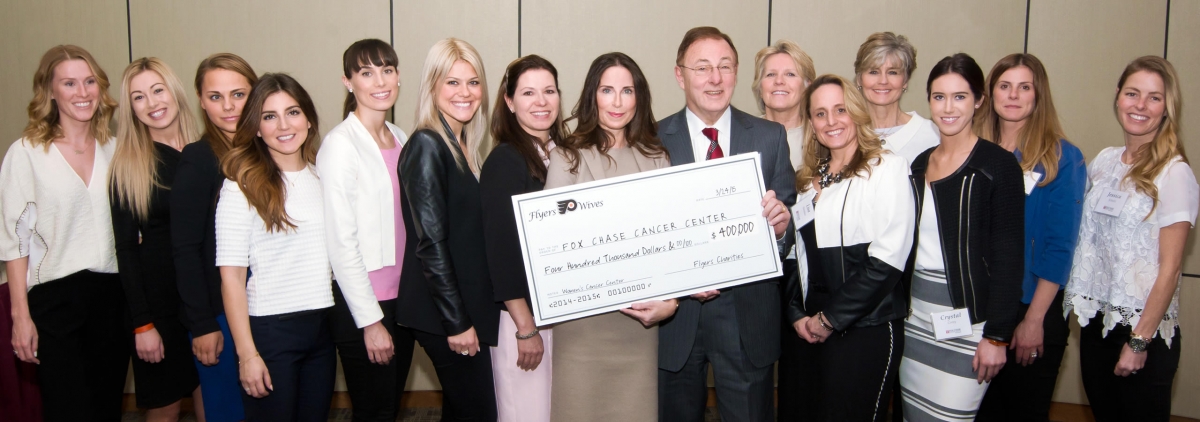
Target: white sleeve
[338,165]
[892,228]
[233,226]
[16,193]
[1178,195]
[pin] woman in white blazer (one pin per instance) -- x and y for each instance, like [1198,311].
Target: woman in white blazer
[365,232]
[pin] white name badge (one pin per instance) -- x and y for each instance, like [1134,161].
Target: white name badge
[951,324]
[1111,202]
[1031,180]
[804,211]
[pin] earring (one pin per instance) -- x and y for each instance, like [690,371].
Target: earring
[859,87]
[903,90]
[351,90]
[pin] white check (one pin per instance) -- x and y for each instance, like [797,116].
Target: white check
[600,246]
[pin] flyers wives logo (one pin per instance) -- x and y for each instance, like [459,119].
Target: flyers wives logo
[567,205]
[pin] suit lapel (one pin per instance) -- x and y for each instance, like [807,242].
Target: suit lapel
[739,136]
[678,140]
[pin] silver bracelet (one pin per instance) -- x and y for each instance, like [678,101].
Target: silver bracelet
[526,336]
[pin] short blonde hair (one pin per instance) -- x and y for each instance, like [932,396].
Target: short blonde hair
[43,126]
[438,62]
[804,64]
[878,48]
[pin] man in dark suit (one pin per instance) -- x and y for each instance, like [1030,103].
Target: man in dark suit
[736,329]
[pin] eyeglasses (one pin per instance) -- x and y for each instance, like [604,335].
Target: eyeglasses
[705,70]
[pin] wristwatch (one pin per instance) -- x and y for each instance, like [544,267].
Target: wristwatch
[1137,343]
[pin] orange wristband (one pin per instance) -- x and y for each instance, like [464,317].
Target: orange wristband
[997,343]
[143,328]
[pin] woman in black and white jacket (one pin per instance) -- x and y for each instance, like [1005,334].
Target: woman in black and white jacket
[855,219]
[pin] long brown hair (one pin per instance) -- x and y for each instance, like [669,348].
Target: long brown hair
[43,125]
[640,133]
[1040,135]
[505,127]
[215,137]
[134,170]
[868,148]
[1153,157]
[249,163]
[370,51]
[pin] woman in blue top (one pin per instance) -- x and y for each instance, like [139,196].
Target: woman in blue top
[1021,118]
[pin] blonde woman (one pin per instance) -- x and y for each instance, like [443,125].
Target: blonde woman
[1020,117]
[858,243]
[781,73]
[1124,287]
[445,291]
[882,69]
[154,122]
[223,82]
[67,303]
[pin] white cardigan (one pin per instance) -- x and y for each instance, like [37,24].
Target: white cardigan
[51,217]
[360,231]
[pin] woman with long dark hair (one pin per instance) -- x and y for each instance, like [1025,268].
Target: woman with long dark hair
[223,82]
[526,122]
[1021,117]
[617,357]
[270,223]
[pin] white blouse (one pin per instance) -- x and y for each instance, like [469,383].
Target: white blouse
[877,209]
[1116,260]
[289,271]
[51,217]
[910,140]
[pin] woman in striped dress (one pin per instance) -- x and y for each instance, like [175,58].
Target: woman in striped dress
[968,265]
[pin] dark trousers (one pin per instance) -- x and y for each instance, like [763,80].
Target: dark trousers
[1144,396]
[374,389]
[83,344]
[851,374]
[794,361]
[468,390]
[743,390]
[298,351]
[1024,393]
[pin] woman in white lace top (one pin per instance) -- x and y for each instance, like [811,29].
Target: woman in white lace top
[1124,288]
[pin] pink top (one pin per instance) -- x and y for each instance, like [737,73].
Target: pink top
[386,281]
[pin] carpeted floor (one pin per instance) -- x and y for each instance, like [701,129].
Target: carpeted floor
[421,414]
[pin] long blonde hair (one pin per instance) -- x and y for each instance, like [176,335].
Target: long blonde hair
[217,140]
[868,150]
[1040,135]
[134,170]
[438,62]
[43,125]
[1153,157]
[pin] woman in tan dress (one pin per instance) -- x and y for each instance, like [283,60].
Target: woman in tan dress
[606,366]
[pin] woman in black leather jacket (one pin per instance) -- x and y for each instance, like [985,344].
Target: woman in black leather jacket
[968,262]
[445,292]
[855,218]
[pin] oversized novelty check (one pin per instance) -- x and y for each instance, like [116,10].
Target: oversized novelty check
[600,246]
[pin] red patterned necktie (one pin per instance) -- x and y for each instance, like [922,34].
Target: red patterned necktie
[714,149]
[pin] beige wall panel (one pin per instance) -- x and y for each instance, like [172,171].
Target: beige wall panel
[304,38]
[30,27]
[572,34]
[1182,52]
[490,26]
[832,31]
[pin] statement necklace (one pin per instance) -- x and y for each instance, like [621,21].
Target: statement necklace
[826,178]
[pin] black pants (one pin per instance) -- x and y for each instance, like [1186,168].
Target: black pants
[83,344]
[851,375]
[468,390]
[1024,393]
[374,389]
[743,390]
[1144,396]
[795,361]
[298,351]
